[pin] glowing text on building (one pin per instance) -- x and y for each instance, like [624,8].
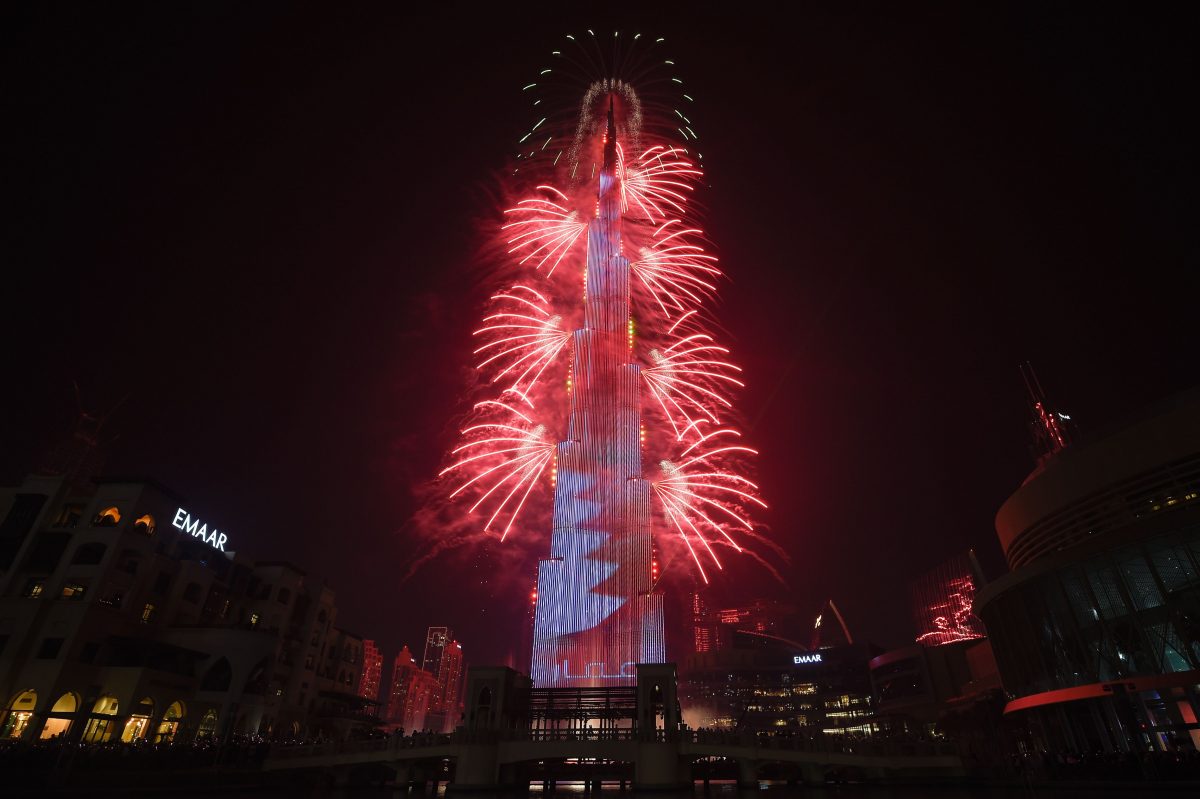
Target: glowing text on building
[814,657]
[193,527]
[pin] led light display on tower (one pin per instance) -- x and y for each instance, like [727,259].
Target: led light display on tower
[944,603]
[596,361]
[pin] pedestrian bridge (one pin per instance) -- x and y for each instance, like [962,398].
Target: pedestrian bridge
[513,734]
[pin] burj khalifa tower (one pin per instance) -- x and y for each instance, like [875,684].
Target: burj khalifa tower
[597,614]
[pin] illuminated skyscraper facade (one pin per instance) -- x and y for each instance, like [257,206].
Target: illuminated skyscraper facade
[372,671]
[445,705]
[597,614]
[409,694]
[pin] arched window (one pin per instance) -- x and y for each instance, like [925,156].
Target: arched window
[103,720]
[170,723]
[60,717]
[67,703]
[138,721]
[208,725]
[144,524]
[218,677]
[20,711]
[109,517]
[89,554]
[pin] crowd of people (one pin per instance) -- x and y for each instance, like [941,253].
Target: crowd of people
[1177,764]
[33,762]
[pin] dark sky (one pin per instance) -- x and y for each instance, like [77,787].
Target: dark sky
[258,224]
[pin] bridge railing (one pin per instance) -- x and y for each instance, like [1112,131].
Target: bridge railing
[823,744]
[624,734]
[819,744]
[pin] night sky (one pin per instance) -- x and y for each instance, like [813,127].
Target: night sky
[257,226]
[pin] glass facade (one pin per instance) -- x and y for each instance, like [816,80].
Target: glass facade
[1130,611]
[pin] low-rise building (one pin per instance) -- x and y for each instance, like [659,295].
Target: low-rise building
[125,613]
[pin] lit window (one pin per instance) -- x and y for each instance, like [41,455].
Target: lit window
[73,591]
[35,590]
[144,524]
[253,619]
[109,517]
[147,613]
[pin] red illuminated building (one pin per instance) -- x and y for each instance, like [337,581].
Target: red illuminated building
[445,704]
[410,693]
[372,671]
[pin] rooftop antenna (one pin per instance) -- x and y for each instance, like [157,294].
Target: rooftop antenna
[1050,429]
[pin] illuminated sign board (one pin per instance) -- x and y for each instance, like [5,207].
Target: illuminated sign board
[814,657]
[187,523]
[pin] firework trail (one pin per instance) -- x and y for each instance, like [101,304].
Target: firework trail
[535,336]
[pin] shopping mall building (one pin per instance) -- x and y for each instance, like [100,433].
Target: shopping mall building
[765,683]
[126,613]
[1096,629]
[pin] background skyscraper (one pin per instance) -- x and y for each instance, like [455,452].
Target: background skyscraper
[409,693]
[443,661]
[368,686]
[446,703]
[436,639]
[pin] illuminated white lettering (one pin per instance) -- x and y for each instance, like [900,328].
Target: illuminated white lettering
[598,669]
[197,529]
[814,657]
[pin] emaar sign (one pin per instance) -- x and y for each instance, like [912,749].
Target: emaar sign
[812,657]
[184,521]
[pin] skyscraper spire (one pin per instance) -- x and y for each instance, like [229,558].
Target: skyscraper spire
[610,140]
